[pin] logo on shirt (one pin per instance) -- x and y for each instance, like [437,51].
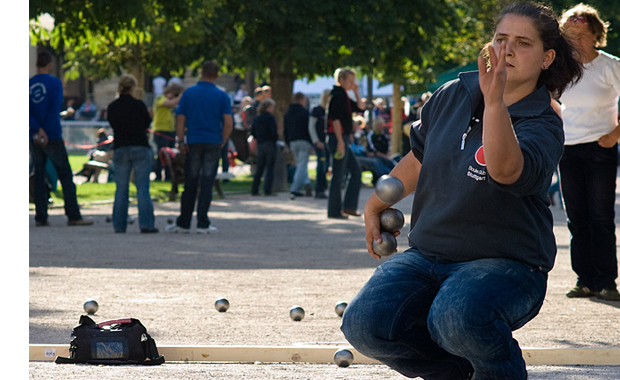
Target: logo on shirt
[37,92]
[480,156]
[479,174]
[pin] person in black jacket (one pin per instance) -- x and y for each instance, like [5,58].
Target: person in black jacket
[130,120]
[297,137]
[265,131]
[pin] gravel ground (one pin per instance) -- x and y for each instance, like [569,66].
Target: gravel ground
[269,254]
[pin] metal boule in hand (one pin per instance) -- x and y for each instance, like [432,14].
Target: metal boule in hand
[392,220]
[387,246]
[389,189]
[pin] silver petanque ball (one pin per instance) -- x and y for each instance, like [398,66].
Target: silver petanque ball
[343,357]
[222,305]
[389,189]
[91,307]
[297,313]
[340,306]
[388,245]
[392,220]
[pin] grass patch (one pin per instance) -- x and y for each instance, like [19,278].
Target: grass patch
[101,192]
[89,192]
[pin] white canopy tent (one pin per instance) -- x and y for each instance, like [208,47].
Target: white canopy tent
[319,84]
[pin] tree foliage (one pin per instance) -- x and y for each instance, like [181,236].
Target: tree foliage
[99,38]
[412,40]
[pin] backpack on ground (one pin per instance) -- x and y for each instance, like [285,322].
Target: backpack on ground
[116,341]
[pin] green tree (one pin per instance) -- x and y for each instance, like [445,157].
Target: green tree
[409,42]
[99,39]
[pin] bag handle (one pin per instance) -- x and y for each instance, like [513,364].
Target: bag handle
[114,322]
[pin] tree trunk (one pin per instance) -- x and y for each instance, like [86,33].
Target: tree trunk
[281,91]
[397,121]
[137,70]
[250,83]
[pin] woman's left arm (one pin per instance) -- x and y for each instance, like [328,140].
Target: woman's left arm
[502,152]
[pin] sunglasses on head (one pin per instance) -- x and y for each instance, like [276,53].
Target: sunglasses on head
[578,19]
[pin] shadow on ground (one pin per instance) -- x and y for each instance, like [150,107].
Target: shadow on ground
[254,233]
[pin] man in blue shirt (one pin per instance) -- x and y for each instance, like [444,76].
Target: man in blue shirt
[204,123]
[46,143]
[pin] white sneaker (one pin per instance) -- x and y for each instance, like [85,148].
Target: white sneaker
[207,230]
[176,229]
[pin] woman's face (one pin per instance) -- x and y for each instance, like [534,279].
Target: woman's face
[580,36]
[525,55]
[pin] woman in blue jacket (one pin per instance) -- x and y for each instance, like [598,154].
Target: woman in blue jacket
[481,241]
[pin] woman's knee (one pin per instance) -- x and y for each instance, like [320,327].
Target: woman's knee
[361,324]
[351,321]
[453,326]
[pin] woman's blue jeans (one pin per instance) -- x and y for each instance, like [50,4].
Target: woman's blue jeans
[140,160]
[437,319]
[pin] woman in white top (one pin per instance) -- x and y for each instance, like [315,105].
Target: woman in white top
[589,165]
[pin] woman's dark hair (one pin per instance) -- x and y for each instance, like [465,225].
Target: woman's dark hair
[565,69]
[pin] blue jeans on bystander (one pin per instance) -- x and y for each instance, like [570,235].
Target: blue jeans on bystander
[57,153]
[140,160]
[301,151]
[201,163]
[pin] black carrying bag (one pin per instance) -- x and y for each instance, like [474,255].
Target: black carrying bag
[117,341]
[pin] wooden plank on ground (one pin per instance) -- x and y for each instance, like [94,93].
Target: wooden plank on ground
[572,356]
[325,354]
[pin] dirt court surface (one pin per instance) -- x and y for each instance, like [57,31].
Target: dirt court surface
[269,254]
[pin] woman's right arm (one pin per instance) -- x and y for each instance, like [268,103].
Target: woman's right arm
[407,171]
